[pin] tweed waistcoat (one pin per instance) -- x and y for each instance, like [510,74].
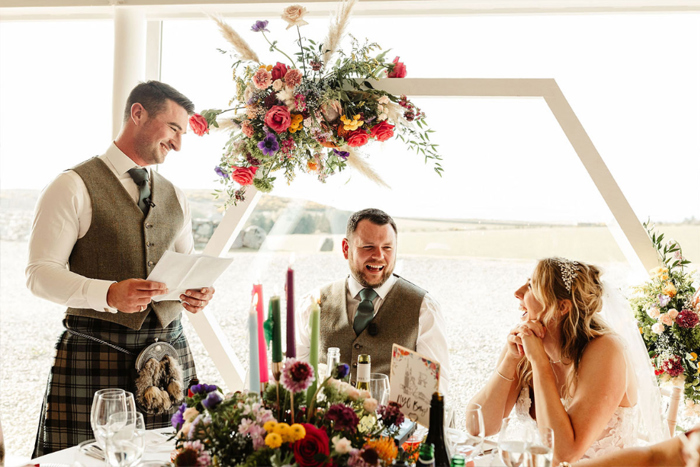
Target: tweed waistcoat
[121,242]
[396,322]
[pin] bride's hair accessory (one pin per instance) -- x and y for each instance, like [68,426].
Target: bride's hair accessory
[568,270]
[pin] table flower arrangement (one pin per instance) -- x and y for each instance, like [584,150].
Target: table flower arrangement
[667,308]
[310,111]
[340,426]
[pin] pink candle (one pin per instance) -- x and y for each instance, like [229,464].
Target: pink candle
[262,347]
[291,346]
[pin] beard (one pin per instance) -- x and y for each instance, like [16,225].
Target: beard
[362,276]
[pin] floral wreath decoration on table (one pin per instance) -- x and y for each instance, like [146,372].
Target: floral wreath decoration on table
[667,309]
[309,114]
[340,425]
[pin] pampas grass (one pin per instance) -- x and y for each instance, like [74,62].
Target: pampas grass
[337,29]
[240,45]
[227,124]
[360,164]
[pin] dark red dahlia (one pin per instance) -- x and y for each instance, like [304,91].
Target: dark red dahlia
[673,366]
[687,319]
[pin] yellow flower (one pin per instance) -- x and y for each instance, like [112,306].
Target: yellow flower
[297,121]
[670,289]
[641,331]
[351,125]
[298,432]
[273,440]
[693,356]
[385,447]
[284,430]
[265,67]
[659,272]
[269,426]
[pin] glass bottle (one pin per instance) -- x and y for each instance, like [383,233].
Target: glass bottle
[436,431]
[364,368]
[332,360]
[426,455]
[458,460]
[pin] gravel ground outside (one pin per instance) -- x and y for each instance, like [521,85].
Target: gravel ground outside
[476,297]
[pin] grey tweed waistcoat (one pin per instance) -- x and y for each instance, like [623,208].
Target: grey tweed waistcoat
[121,242]
[396,322]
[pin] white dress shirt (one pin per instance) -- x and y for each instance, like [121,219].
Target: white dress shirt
[431,342]
[63,215]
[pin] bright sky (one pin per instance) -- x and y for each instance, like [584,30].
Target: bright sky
[631,79]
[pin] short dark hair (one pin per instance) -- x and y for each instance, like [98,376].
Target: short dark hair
[375,216]
[152,95]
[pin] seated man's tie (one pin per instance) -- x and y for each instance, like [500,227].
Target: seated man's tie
[140,177]
[365,310]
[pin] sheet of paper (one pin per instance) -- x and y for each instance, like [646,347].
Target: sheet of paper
[182,272]
[413,381]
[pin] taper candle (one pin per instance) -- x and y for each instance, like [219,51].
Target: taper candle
[291,345]
[315,326]
[276,337]
[253,360]
[262,348]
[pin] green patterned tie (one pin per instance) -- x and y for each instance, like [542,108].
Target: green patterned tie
[140,177]
[365,310]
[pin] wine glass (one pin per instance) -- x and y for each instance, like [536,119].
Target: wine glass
[379,387]
[126,439]
[540,452]
[87,455]
[513,440]
[472,444]
[105,403]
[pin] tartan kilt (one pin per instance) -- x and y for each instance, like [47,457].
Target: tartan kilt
[82,367]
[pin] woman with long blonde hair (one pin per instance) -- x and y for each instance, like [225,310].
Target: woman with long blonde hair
[564,367]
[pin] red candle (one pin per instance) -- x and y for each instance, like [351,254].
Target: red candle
[291,345]
[262,347]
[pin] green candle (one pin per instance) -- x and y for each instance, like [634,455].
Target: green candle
[314,325]
[276,329]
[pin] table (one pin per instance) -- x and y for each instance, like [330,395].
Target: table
[157,449]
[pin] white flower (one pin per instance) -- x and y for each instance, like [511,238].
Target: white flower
[248,93]
[383,100]
[277,84]
[382,116]
[341,445]
[294,15]
[287,97]
[658,328]
[370,404]
[365,394]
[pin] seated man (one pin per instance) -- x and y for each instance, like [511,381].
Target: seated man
[371,309]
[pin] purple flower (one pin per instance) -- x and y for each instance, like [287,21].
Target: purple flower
[344,418]
[391,414]
[260,26]
[220,172]
[202,389]
[178,419]
[342,154]
[269,146]
[296,375]
[663,299]
[341,371]
[212,400]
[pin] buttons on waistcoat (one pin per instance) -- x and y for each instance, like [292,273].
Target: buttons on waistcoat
[358,346]
[354,365]
[148,225]
[149,244]
[151,264]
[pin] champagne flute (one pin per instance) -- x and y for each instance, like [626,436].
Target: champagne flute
[126,439]
[540,452]
[513,440]
[379,387]
[105,404]
[473,444]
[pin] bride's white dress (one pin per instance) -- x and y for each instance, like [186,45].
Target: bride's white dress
[620,432]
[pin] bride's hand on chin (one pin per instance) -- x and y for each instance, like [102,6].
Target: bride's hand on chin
[515,337]
[530,336]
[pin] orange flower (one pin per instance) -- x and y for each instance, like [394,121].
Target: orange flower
[385,447]
[312,165]
[265,67]
[342,132]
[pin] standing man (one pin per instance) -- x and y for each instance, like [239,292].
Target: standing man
[371,309]
[99,229]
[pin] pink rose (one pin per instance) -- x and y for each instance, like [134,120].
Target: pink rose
[353,393]
[370,405]
[278,118]
[382,131]
[293,78]
[243,175]
[357,138]
[658,328]
[247,129]
[279,70]
[399,70]
[262,79]
[666,319]
[673,313]
[199,125]
[294,15]
[654,312]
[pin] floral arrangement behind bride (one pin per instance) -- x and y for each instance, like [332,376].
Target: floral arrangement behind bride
[667,308]
[311,111]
